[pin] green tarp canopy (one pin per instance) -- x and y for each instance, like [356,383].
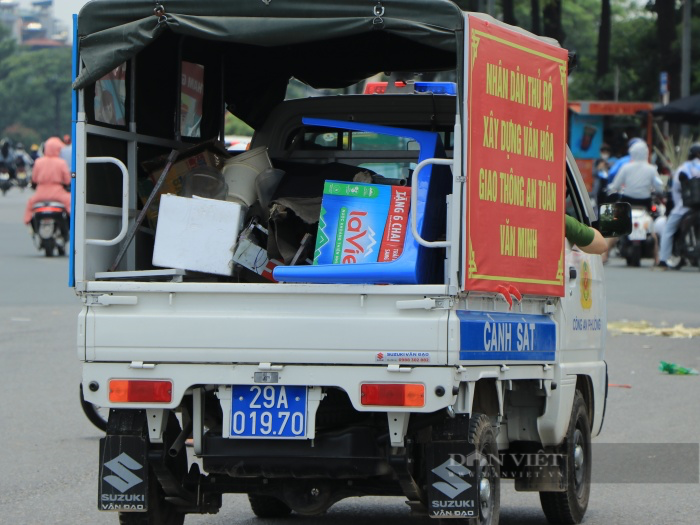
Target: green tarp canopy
[324,43]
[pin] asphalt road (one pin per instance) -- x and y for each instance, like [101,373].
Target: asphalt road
[49,462]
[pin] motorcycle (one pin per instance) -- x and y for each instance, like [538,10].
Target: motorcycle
[50,227]
[5,179]
[686,242]
[640,242]
[23,176]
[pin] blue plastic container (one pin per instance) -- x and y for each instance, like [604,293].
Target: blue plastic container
[439,88]
[417,264]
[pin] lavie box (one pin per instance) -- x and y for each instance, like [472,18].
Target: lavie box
[362,223]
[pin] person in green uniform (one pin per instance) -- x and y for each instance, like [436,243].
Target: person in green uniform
[588,239]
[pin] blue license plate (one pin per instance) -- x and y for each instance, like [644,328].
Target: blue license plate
[268,411]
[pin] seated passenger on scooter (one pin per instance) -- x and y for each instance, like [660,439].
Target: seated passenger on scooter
[51,176]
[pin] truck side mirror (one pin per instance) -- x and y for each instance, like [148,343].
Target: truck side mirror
[614,219]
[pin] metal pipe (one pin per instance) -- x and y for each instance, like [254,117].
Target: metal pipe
[176,447]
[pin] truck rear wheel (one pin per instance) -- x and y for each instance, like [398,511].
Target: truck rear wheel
[268,506]
[488,473]
[160,511]
[569,507]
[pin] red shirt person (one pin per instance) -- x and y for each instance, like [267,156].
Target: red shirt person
[51,175]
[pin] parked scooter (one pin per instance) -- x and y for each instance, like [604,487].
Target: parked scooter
[50,227]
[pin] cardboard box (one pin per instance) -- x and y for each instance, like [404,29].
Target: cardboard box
[362,223]
[197,234]
[211,154]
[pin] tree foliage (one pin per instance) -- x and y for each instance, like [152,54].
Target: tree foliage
[35,85]
[35,90]
[7,47]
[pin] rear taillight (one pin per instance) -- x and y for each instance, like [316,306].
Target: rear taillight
[49,209]
[140,391]
[393,394]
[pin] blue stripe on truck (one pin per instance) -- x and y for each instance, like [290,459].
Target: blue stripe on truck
[501,336]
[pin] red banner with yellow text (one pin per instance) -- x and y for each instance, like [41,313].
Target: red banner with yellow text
[516,161]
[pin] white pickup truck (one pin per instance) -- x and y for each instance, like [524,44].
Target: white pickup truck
[473,350]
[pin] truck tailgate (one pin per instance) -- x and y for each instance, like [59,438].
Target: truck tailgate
[277,323]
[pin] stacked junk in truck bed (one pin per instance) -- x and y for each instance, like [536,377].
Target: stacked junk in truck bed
[250,218]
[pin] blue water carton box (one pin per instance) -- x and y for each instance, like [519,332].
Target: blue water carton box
[362,223]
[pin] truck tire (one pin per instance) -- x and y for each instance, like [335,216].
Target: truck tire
[569,507]
[268,506]
[161,512]
[488,475]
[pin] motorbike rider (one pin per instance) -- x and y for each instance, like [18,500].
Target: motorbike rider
[600,175]
[622,161]
[34,152]
[687,170]
[635,182]
[23,159]
[51,177]
[8,158]
[638,178]
[67,150]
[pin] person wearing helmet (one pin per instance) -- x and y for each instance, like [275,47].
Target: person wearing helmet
[34,151]
[617,166]
[687,170]
[638,178]
[635,183]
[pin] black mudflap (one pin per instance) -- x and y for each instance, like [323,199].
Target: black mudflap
[123,483]
[452,485]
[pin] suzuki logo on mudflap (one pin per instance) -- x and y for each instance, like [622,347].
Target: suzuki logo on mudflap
[122,466]
[451,471]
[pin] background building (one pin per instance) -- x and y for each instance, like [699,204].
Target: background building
[33,24]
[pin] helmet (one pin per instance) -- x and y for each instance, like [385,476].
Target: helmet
[694,152]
